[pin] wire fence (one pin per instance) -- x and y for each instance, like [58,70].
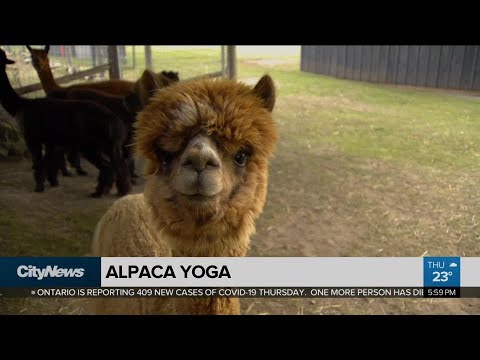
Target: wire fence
[188,61]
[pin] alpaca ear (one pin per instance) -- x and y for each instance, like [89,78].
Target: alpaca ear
[148,81]
[163,81]
[29,48]
[265,90]
[172,75]
[47,48]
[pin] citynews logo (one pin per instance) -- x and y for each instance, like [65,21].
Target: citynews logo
[31,271]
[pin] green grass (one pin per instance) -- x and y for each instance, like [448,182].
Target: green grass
[187,61]
[381,121]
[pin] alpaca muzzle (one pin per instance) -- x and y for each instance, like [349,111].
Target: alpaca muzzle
[200,169]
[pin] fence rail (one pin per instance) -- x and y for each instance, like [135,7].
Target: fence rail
[440,66]
[65,79]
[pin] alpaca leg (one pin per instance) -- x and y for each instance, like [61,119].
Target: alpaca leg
[63,166]
[74,160]
[51,157]
[131,170]
[127,150]
[61,163]
[38,166]
[105,177]
[129,154]
[122,172]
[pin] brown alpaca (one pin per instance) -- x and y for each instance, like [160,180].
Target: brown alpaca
[207,145]
[41,63]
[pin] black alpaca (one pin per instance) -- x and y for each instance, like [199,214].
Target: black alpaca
[119,105]
[172,75]
[74,160]
[116,104]
[75,125]
[144,88]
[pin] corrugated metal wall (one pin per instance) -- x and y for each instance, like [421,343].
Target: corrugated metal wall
[441,66]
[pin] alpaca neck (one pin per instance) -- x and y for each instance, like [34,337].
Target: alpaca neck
[224,251]
[224,238]
[212,306]
[8,97]
[48,81]
[227,236]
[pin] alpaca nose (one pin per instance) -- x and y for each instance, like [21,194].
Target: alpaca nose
[200,155]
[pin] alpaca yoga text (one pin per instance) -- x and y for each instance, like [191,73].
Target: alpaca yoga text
[169,271]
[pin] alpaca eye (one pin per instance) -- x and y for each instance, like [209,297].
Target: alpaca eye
[164,157]
[240,158]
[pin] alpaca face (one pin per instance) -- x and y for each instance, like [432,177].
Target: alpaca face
[145,87]
[40,59]
[207,143]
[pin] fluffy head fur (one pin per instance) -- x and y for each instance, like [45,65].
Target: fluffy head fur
[207,209]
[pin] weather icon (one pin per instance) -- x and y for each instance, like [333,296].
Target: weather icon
[453,264]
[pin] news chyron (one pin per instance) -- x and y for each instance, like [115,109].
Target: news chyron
[441,277]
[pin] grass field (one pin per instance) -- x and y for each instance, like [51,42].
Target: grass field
[361,170]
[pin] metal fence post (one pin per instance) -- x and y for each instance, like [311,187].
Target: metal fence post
[93,54]
[224,69]
[148,57]
[114,71]
[232,61]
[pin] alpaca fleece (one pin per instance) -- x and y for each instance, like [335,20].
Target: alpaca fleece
[161,222]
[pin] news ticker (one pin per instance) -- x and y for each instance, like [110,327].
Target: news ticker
[257,292]
[250,276]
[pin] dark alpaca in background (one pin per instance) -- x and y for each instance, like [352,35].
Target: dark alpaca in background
[123,108]
[80,126]
[117,105]
[145,87]
[172,75]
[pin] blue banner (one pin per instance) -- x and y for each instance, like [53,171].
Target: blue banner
[50,271]
[441,271]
